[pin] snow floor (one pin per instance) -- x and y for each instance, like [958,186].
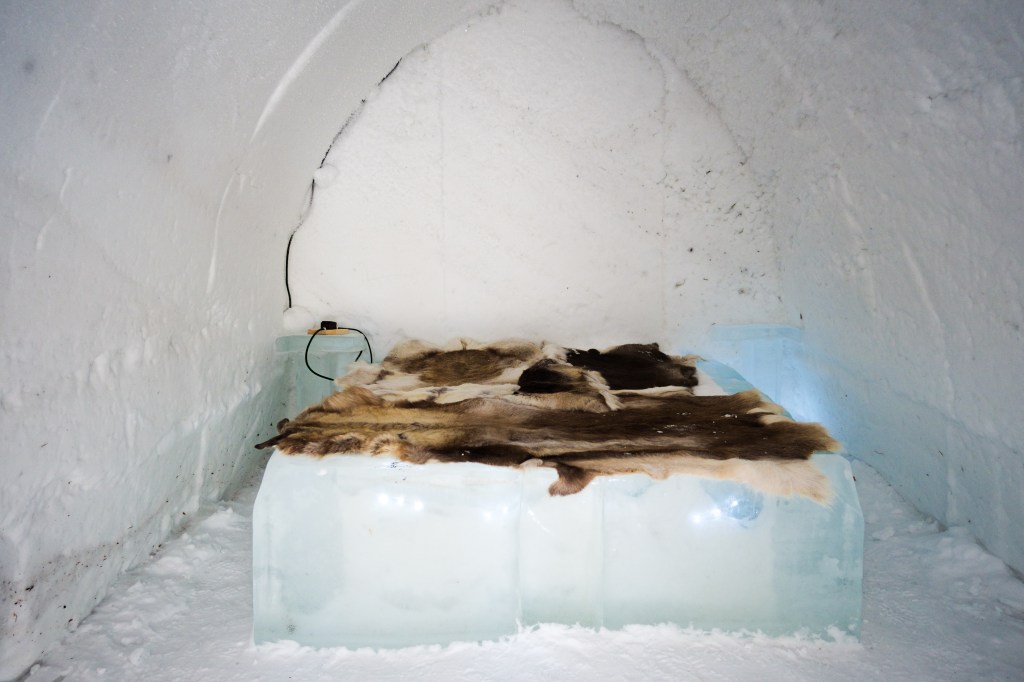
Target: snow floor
[936,607]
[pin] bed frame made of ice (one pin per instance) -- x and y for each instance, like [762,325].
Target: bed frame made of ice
[366,551]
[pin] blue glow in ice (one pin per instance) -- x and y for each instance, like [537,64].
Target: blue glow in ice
[776,360]
[735,501]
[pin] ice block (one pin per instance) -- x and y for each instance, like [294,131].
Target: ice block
[329,355]
[364,551]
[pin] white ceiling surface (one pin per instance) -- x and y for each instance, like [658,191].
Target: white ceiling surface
[155,160]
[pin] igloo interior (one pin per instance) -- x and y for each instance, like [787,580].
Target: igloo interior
[630,170]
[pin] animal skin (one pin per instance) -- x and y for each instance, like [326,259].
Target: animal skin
[629,409]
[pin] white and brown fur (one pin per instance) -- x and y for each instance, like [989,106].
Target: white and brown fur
[534,404]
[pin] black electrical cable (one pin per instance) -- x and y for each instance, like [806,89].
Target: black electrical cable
[322,328]
[353,329]
[393,68]
[302,218]
[307,356]
[287,258]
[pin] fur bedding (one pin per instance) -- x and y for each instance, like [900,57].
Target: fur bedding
[584,413]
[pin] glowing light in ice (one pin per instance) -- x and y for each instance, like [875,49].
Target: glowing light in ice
[700,518]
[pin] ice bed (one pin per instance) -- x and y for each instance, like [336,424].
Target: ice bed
[361,551]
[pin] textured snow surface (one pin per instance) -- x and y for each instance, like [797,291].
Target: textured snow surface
[936,606]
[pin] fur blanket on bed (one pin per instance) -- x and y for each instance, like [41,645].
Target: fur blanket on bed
[628,409]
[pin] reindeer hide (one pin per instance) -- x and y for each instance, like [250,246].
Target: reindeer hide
[628,409]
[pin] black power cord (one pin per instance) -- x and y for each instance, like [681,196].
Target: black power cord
[329,326]
[312,192]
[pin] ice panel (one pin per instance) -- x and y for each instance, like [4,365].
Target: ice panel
[776,359]
[673,553]
[362,551]
[560,559]
[818,556]
[329,355]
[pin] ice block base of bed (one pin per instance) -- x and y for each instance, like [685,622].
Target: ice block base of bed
[362,551]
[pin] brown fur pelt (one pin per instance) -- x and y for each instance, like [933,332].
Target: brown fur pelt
[629,409]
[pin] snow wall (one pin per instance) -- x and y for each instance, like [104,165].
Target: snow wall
[156,160]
